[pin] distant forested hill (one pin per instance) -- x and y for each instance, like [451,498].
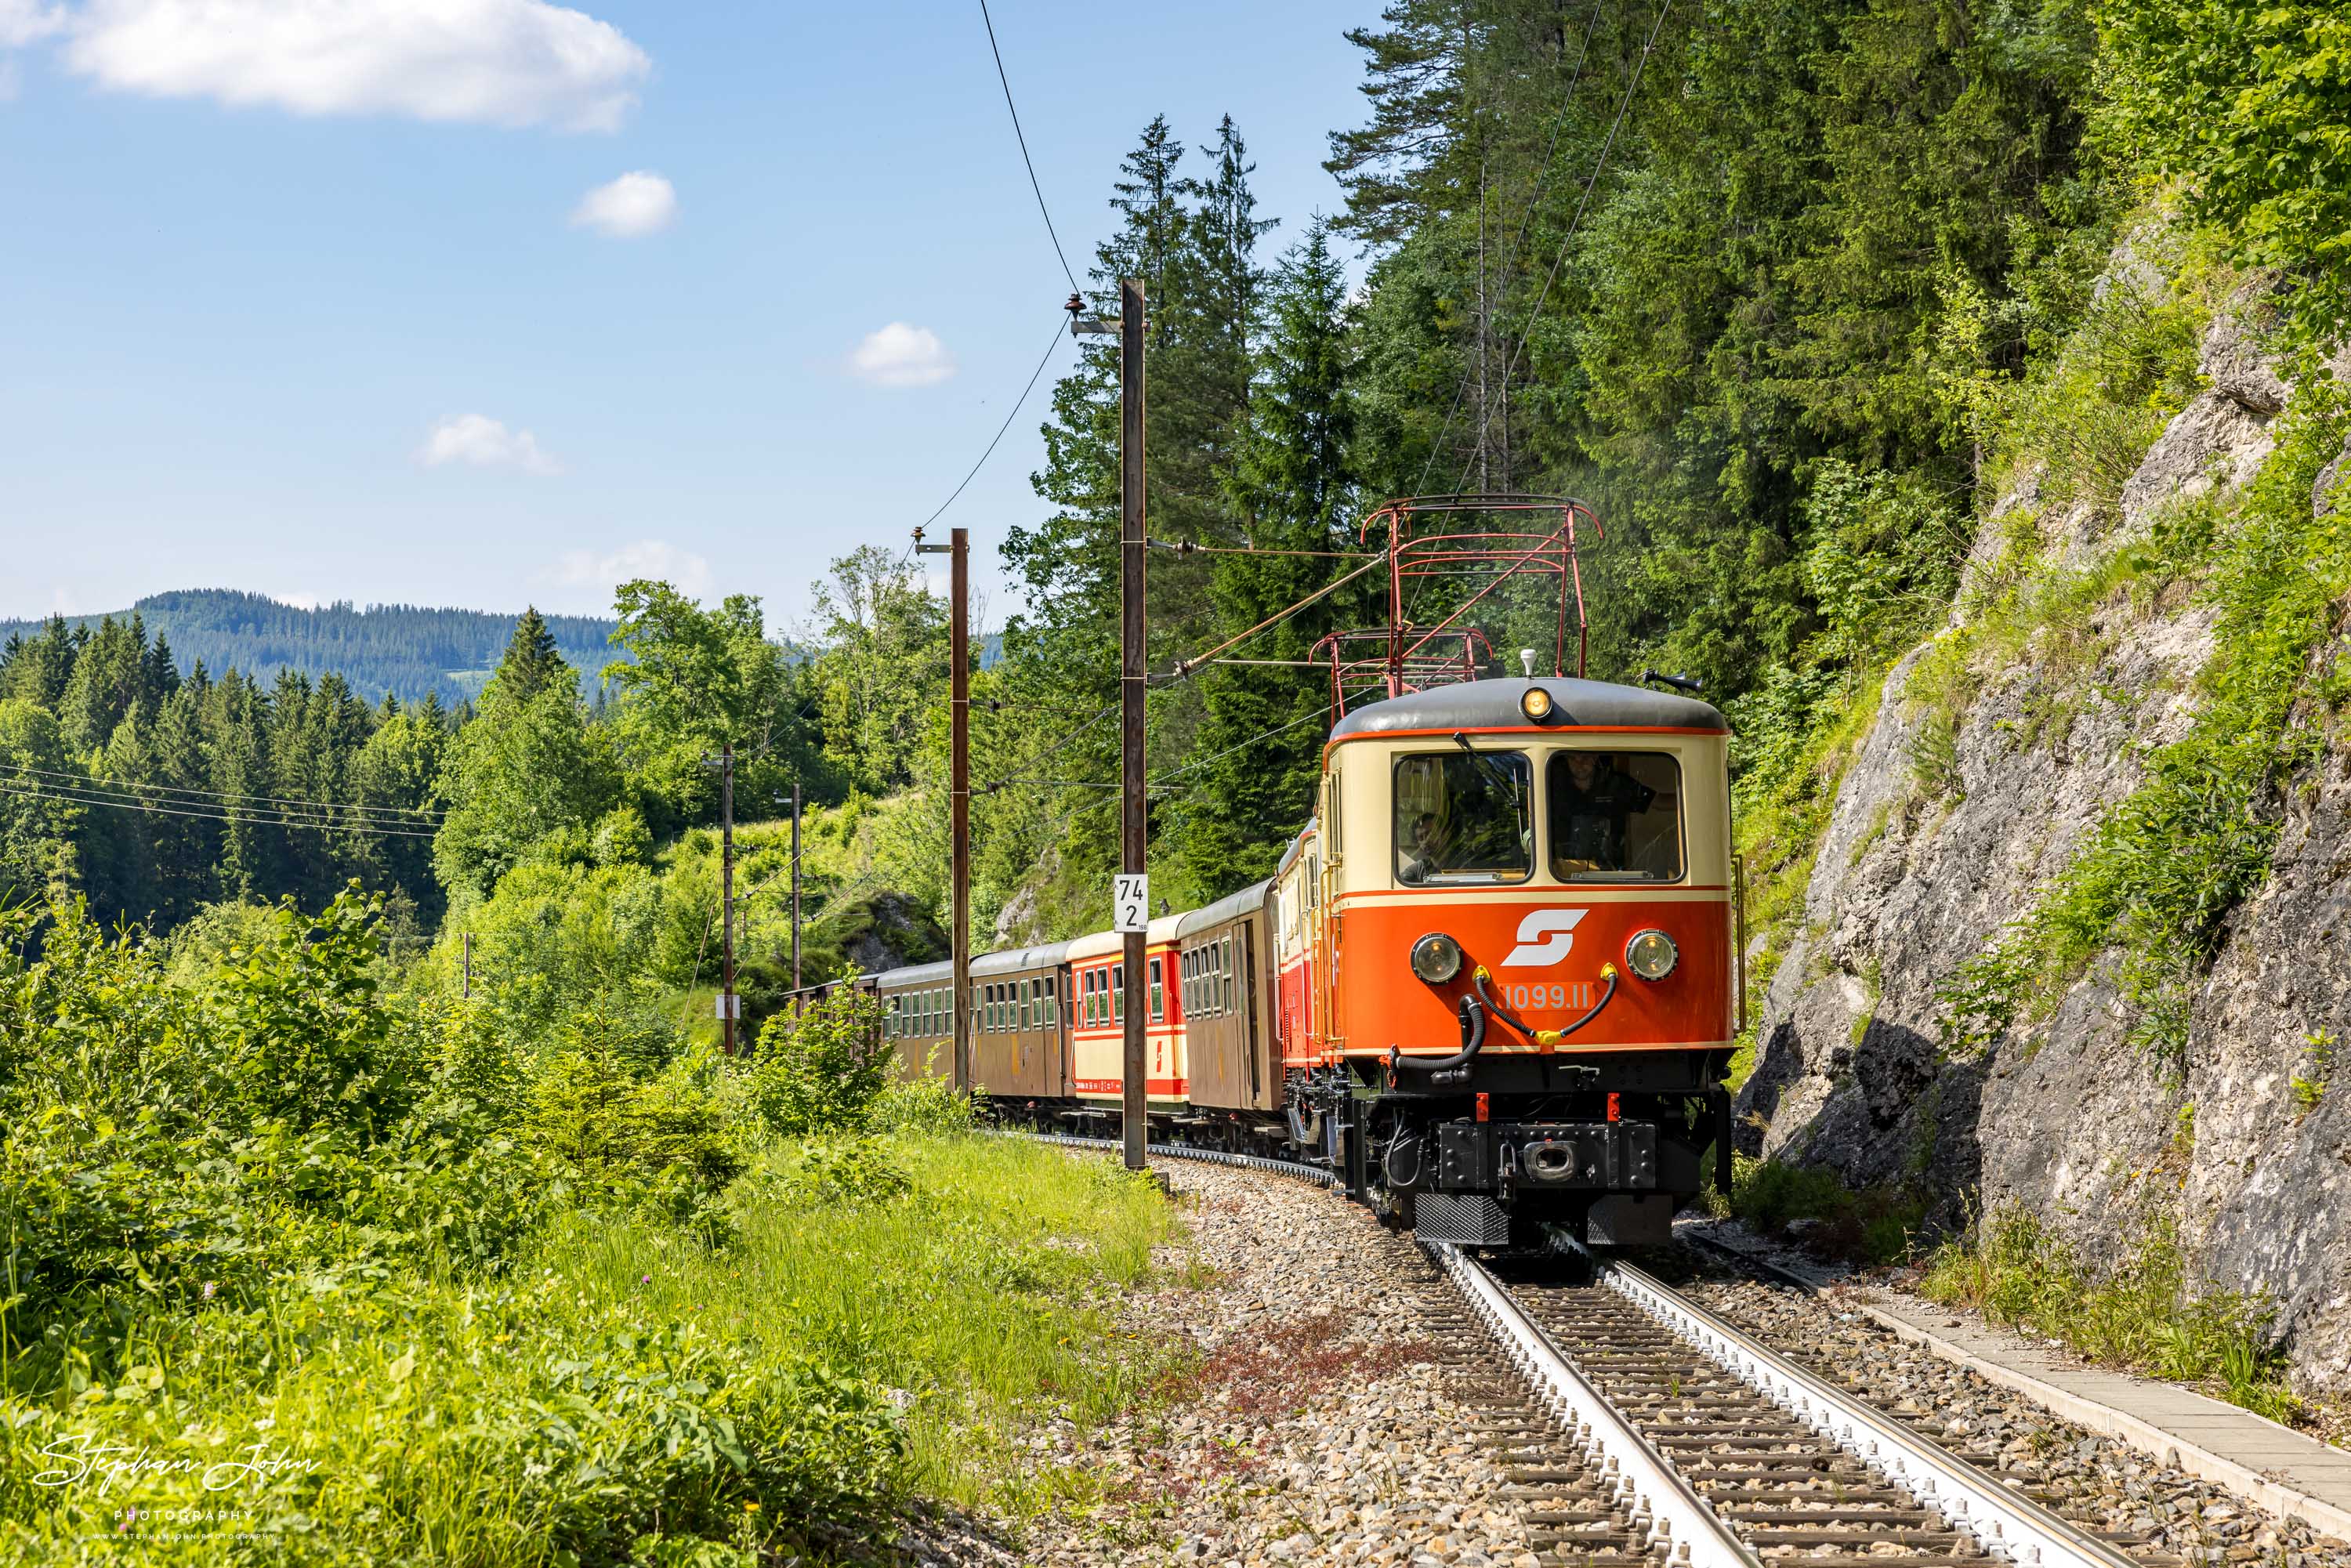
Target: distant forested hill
[403,649]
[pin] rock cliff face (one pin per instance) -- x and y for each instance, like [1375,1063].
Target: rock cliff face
[2068,1116]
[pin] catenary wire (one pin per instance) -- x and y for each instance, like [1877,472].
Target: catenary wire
[1018,403]
[1022,137]
[304,812]
[209,797]
[365,830]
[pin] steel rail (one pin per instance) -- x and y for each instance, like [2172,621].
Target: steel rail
[1676,1514]
[2008,1524]
[1314,1173]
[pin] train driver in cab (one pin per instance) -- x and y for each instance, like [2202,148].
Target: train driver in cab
[1592,803]
[1423,849]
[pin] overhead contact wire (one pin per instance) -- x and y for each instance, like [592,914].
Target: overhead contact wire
[1022,137]
[1018,403]
[365,829]
[209,797]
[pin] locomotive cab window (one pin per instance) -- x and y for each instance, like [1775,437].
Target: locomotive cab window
[1464,818]
[1613,815]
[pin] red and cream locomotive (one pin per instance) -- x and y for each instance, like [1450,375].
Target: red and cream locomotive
[1494,980]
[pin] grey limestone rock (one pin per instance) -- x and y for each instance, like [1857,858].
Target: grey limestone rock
[2064,1113]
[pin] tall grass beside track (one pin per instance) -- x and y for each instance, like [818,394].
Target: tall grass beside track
[627,1392]
[296,1266]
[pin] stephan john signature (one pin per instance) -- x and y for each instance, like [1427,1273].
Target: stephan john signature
[84,1458]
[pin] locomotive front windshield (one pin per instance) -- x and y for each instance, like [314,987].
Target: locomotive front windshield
[1464,817]
[1614,816]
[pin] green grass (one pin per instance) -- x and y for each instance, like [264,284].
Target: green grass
[983,1296]
[624,1383]
[1875,1225]
[2142,1313]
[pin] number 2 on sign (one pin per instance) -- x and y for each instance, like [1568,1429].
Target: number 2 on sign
[1130,904]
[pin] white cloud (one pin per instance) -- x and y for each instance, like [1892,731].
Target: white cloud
[24,22]
[902,356]
[635,204]
[658,558]
[485,443]
[500,62]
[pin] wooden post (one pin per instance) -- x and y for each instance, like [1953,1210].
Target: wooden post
[1134,827]
[959,791]
[727,887]
[795,892]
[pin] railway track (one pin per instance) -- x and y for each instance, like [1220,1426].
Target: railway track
[1730,1456]
[1634,1427]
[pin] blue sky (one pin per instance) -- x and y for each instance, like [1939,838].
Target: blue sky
[327,305]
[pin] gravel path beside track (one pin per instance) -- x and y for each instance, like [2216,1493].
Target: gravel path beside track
[1345,1411]
[2090,1479]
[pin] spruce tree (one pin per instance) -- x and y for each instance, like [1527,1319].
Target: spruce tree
[1260,742]
[531,660]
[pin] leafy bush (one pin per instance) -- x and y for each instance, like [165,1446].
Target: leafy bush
[2249,101]
[663,1143]
[1873,1225]
[927,1103]
[858,1170]
[822,1070]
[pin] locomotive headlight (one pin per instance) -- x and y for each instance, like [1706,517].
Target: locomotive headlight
[1436,957]
[1536,703]
[1651,955]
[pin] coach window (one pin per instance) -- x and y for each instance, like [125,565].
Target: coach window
[1118,993]
[1464,817]
[1158,993]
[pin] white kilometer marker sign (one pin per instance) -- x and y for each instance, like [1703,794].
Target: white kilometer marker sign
[1130,901]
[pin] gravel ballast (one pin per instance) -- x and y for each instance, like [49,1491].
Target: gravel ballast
[1337,1407]
[2158,1510]
[1329,1418]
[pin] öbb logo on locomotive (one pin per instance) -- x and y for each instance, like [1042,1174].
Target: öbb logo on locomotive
[1557,850]
[1545,937]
